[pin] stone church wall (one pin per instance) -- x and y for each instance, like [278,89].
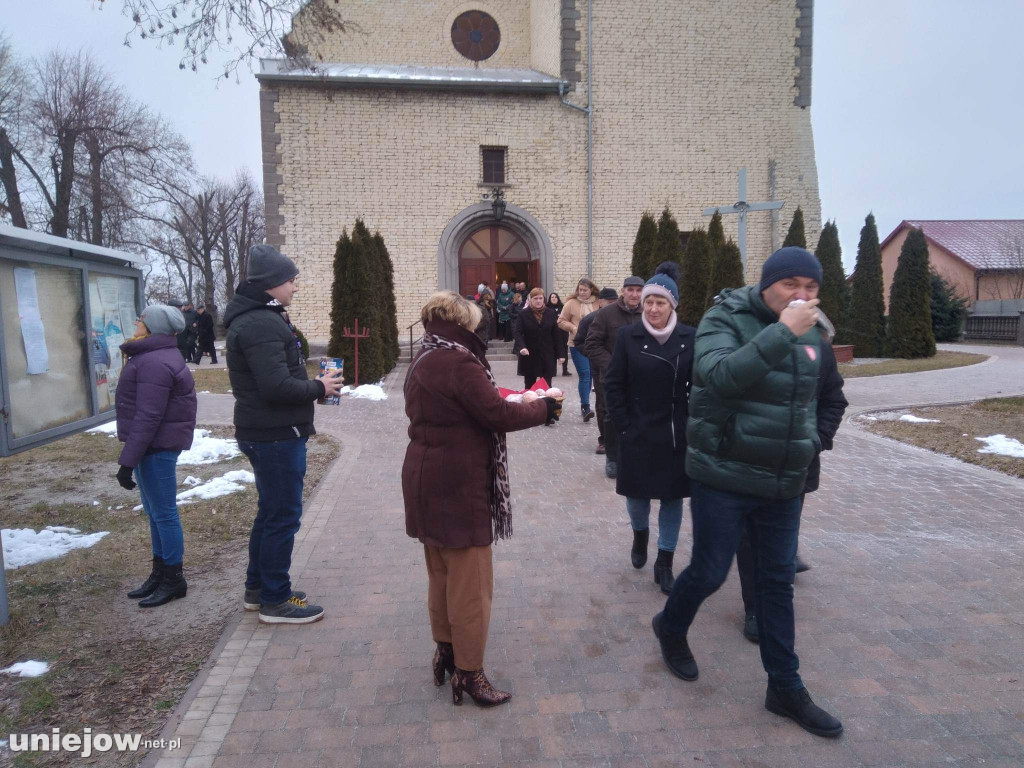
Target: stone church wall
[685,94]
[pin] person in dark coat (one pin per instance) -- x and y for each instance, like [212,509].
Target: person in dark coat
[750,437]
[647,384]
[537,340]
[604,298]
[206,337]
[599,347]
[455,485]
[155,403]
[832,405]
[273,420]
[188,335]
[555,303]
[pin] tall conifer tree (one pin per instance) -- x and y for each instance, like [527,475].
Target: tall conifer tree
[726,270]
[796,235]
[833,287]
[358,292]
[865,325]
[909,333]
[644,247]
[669,246]
[694,275]
[389,319]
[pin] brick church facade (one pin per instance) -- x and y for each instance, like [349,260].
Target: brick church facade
[419,108]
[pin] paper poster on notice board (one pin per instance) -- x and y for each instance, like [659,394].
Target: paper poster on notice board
[33,334]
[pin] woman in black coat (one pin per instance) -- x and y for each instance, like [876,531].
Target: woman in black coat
[537,340]
[647,386]
[555,303]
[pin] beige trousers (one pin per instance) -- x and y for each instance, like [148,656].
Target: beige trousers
[459,600]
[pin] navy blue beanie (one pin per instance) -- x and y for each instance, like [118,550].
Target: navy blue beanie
[664,286]
[790,262]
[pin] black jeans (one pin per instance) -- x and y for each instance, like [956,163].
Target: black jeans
[773,528]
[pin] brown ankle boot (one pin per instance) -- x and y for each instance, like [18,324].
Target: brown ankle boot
[478,688]
[444,662]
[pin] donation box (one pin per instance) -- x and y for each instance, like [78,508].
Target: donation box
[65,308]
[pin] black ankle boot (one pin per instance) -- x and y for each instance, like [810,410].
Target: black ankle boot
[565,369]
[639,552]
[675,651]
[797,706]
[151,583]
[663,571]
[172,586]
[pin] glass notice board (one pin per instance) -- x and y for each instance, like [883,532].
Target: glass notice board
[43,315]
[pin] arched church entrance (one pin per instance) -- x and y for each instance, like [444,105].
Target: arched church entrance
[492,254]
[475,247]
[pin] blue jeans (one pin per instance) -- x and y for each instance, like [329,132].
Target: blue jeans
[773,528]
[670,516]
[158,486]
[582,364]
[280,468]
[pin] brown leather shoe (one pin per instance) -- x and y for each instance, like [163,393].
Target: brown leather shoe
[600,449]
[444,662]
[478,687]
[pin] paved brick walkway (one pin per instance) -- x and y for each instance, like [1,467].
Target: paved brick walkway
[909,623]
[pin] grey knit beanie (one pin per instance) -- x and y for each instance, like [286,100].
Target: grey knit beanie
[269,268]
[160,318]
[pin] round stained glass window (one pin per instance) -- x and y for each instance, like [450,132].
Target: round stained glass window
[476,35]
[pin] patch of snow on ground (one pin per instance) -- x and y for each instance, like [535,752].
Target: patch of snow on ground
[364,392]
[191,481]
[27,669]
[1002,445]
[917,419]
[24,546]
[208,450]
[110,428]
[204,392]
[230,482]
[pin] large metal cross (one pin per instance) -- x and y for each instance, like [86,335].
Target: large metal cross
[742,207]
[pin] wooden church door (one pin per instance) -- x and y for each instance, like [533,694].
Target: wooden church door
[482,252]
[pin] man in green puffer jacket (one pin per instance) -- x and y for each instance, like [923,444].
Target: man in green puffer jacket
[751,435]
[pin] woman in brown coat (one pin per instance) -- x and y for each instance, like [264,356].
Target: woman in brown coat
[455,484]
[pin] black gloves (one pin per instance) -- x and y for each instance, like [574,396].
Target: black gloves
[554,409]
[124,478]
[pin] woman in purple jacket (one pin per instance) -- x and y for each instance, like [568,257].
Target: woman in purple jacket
[156,415]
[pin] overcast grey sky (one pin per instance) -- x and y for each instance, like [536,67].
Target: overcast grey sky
[918,105]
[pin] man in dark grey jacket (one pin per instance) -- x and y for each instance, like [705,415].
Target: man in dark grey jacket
[599,346]
[273,420]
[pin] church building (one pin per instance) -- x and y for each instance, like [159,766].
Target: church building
[579,115]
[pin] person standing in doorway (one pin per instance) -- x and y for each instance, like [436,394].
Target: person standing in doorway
[273,420]
[580,305]
[600,345]
[536,341]
[504,309]
[751,437]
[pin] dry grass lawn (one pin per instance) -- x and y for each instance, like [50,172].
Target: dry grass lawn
[215,380]
[959,426]
[941,360]
[114,666]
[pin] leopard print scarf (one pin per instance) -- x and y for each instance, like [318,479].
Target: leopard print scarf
[501,497]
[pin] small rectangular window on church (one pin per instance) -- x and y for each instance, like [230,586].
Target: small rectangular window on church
[494,164]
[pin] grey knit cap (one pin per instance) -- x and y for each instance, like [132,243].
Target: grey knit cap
[160,318]
[269,268]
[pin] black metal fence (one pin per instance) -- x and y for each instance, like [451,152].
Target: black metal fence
[993,328]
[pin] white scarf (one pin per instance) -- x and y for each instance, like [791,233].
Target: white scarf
[660,336]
